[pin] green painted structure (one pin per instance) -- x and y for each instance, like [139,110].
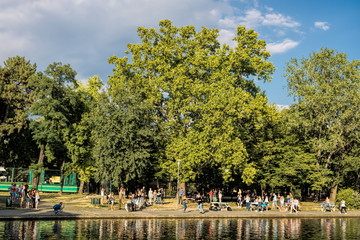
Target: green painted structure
[49,180]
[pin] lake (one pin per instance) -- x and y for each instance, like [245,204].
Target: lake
[282,228]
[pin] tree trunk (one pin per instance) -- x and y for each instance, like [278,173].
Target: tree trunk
[81,187]
[36,177]
[333,192]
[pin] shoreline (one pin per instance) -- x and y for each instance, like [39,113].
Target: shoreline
[79,207]
[72,214]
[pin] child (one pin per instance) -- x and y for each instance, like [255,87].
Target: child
[58,208]
[111,201]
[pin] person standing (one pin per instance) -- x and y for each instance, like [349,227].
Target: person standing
[199,201]
[159,193]
[111,200]
[151,196]
[28,199]
[211,195]
[220,196]
[239,199]
[37,198]
[282,203]
[274,201]
[22,197]
[102,195]
[247,202]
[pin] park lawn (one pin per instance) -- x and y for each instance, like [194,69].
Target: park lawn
[84,201]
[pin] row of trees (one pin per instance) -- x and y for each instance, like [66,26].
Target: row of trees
[182,96]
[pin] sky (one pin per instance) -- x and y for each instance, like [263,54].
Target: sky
[85,33]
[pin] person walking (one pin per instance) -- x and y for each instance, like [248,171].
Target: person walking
[183,202]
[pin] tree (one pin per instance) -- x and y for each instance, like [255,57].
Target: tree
[327,89]
[203,94]
[55,110]
[284,159]
[125,139]
[15,99]
[78,141]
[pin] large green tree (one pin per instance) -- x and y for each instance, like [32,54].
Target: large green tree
[56,108]
[125,138]
[15,99]
[78,141]
[203,93]
[326,86]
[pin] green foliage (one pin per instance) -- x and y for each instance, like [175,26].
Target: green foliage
[203,95]
[15,94]
[36,168]
[125,140]
[15,99]
[351,197]
[56,108]
[326,116]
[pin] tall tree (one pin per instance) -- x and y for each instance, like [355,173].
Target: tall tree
[78,140]
[125,138]
[204,95]
[55,109]
[326,86]
[15,99]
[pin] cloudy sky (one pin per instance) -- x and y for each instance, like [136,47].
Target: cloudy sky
[85,33]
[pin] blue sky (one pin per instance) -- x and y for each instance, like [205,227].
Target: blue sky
[85,33]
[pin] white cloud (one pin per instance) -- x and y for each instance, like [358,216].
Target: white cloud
[277,19]
[85,33]
[281,47]
[252,18]
[322,25]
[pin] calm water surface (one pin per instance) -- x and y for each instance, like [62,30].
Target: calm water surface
[292,228]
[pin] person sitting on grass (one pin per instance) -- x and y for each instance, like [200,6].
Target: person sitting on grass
[58,208]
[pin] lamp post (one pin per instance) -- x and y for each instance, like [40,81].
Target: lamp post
[177,185]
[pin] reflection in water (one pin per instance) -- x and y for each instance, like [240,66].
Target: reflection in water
[283,228]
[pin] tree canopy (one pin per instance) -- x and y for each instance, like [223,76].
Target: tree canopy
[327,87]
[203,94]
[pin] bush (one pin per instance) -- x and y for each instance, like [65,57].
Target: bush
[351,197]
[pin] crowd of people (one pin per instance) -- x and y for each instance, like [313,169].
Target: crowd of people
[140,198]
[133,200]
[25,197]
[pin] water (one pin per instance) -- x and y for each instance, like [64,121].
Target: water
[291,228]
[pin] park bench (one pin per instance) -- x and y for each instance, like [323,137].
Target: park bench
[328,209]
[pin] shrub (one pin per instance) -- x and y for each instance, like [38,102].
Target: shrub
[351,197]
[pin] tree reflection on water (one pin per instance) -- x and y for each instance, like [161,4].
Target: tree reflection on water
[282,228]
